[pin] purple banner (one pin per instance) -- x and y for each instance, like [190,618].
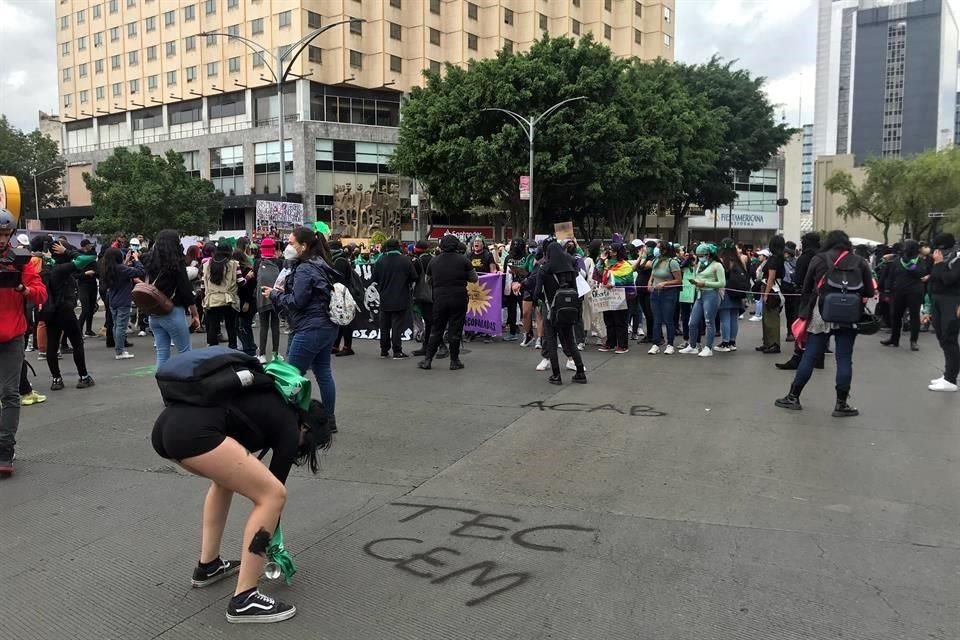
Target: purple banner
[483,305]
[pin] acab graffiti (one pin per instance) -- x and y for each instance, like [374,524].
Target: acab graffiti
[442,564]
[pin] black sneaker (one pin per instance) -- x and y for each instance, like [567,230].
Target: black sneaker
[56,384]
[215,572]
[384,354]
[400,355]
[85,382]
[254,607]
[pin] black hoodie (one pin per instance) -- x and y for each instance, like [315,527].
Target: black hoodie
[450,272]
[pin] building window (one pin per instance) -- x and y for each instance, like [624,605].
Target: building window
[667,14]
[210,6]
[117,89]
[82,43]
[333,108]
[356,28]
[435,6]
[543,22]
[112,4]
[191,162]
[100,93]
[211,69]
[191,73]
[133,58]
[98,39]
[84,96]
[435,67]
[508,45]
[472,41]
[667,40]
[434,36]
[115,61]
[151,23]
[171,48]
[638,9]
[189,13]
[396,4]
[575,26]
[576,3]
[638,36]
[131,4]
[169,18]
[96,11]
[266,169]
[507,16]
[356,59]
[396,32]
[81,16]
[66,100]
[258,58]
[134,86]
[66,74]
[190,43]
[232,4]
[65,49]
[472,11]
[234,64]
[233,31]
[185,112]
[152,83]
[114,34]
[64,22]
[284,19]
[98,66]
[151,52]
[607,31]
[226,169]
[608,5]
[396,64]
[171,78]
[313,20]
[211,41]
[82,70]
[132,30]
[256,26]
[314,54]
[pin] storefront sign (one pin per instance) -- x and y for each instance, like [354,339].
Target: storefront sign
[464,234]
[741,220]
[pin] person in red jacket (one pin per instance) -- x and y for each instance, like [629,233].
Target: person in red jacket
[19,283]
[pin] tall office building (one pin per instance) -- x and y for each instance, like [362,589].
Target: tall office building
[142,72]
[886,77]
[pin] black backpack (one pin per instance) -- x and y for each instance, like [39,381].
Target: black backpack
[840,290]
[210,377]
[564,309]
[737,283]
[422,291]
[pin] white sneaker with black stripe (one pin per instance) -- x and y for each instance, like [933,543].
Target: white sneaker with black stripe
[255,607]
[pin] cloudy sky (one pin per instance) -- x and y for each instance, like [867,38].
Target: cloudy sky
[772,38]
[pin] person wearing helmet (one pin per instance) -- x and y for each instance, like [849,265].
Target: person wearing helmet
[20,284]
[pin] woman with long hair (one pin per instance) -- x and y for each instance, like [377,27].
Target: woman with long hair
[709,280]
[247,294]
[167,271]
[617,272]
[221,299]
[772,274]
[118,272]
[665,278]
[593,320]
[306,297]
[731,305]
[511,267]
[837,253]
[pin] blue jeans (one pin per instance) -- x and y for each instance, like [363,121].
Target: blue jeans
[310,349]
[730,310]
[121,316]
[664,305]
[817,346]
[172,326]
[705,313]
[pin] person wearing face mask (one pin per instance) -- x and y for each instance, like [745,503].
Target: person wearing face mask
[709,280]
[305,295]
[905,281]
[528,307]
[665,277]
[944,283]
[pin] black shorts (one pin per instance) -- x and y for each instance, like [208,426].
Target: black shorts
[182,432]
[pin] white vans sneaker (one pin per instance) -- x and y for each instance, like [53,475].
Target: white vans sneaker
[936,380]
[538,344]
[571,365]
[544,365]
[943,385]
[689,350]
[126,355]
[668,350]
[654,350]
[706,352]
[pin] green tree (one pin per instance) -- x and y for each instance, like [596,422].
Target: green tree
[142,193]
[22,154]
[467,157]
[930,182]
[877,198]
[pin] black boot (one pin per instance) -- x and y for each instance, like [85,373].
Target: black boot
[425,363]
[580,377]
[455,364]
[443,352]
[791,400]
[419,353]
[842,409]
[556,379]
[791,364]
[889,343]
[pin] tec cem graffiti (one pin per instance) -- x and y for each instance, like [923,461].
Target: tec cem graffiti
[444,564]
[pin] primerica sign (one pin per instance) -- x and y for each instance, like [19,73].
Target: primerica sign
[741,220]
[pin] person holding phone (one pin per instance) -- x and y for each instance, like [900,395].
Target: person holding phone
[167,271]
[119,273]
[708,280]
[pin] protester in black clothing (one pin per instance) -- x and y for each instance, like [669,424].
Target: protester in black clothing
[772,276]
[644,269]
[421,262]
[904,279]
[448,274]
[513,264]
[247,293]
[342,264]
[394,274]
[267,314]
[483,261]
[87,290]
[944,283]
[809,247]
[557,271]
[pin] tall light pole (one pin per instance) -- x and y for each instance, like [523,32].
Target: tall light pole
[36,191]
[529,126]
[283,61]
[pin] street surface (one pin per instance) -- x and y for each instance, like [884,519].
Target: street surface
[667,499]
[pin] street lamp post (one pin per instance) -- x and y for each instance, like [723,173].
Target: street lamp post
[283,61]
[529,126]
[36,190]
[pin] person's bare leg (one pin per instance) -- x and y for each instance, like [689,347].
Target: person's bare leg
[236,469]
[539,324]
[215,510]
[527,316]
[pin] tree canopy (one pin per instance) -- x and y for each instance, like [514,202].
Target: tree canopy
[138,192]
[649,136]
[22,154]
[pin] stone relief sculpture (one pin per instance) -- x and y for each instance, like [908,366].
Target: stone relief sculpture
[358,213]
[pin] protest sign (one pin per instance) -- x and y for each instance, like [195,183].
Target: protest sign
[483,305]
[604,299]
[278,216]
[366,325]
[563,231]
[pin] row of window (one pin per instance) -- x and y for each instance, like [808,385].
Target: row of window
[169,17]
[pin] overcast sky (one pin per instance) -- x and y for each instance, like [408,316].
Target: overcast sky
[772,38]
